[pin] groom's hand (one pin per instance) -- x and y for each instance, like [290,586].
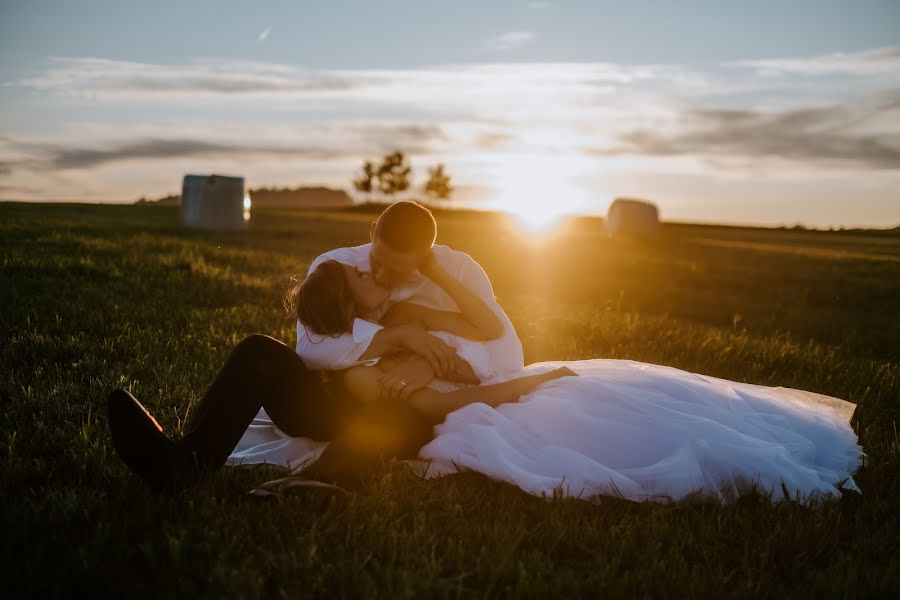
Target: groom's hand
[408,376]
[462,373]
[428,265]
[439,354]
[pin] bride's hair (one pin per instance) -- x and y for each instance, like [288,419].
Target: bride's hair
[323,301]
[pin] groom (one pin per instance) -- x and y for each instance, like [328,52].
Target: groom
[261,372]
[400,239]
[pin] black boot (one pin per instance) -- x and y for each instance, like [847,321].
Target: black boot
[141,443]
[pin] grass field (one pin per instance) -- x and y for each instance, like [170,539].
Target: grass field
[97,297]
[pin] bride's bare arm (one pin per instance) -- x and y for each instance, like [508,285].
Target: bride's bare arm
[363,384]
[403,374]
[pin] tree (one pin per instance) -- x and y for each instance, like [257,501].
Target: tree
[438,185]
[393,174]
[365,181]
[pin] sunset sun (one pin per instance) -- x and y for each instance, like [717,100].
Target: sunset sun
[539,189]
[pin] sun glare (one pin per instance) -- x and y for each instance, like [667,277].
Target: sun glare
[537,221]
[539,190]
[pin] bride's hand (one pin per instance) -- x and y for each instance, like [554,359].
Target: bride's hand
[525,385]
[555,374]
[405,378]
[550,376]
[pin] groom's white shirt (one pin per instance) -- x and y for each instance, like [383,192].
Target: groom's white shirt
[335,353]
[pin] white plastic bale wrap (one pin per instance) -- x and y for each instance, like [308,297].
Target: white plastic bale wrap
[628,216]
[213,202]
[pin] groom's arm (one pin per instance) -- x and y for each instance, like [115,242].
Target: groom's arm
[506,351]
[368,342]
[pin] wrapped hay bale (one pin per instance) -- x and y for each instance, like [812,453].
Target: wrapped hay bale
[213,202]
[629,216]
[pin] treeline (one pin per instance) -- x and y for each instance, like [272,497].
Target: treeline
[309,197]
[316,197]
[378,182]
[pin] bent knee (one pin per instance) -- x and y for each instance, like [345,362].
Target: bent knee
[260,347]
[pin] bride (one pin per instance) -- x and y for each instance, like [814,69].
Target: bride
[620,427]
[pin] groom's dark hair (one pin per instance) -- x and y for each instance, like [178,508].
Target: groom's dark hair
[406,226]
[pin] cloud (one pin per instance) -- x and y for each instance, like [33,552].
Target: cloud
[79,158]
[868,62]
[285,119]
[833,135]
[510,40]
[98,77]
[515,94]
[492,140]
[55,156]
[43,156]
[20,190]
[264,34]
[405,135]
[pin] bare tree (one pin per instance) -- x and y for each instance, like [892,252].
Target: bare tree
[438,185]
[365,182]
[393,174]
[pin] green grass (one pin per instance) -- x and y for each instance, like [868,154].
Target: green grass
[97,297]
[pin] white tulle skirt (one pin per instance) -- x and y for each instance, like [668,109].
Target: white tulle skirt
[648,432]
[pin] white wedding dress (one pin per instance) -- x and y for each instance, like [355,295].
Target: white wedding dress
[629,429]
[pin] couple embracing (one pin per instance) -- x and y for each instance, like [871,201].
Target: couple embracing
[383,330]
[403,351]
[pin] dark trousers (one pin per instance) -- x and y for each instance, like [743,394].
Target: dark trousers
[263,372]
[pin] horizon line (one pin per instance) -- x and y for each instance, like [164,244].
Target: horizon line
[431,206]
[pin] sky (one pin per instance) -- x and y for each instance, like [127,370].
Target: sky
[770,113]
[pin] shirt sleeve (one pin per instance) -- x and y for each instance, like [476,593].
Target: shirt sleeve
[327,353]
[475,279]
[506,351]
